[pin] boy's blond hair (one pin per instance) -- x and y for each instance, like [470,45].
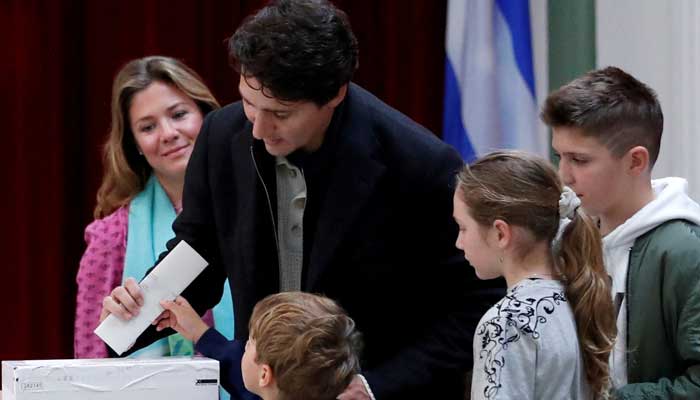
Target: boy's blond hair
[612,106]
[308,341]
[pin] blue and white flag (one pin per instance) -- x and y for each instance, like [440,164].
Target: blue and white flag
[489,80]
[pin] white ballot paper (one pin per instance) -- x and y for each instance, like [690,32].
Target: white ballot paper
[167,280]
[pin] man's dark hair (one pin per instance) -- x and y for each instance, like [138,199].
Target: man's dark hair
[612,106]
[296,49]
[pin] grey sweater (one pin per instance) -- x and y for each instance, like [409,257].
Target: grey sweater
[526,347]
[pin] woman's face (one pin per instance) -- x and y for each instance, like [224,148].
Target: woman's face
[165,123]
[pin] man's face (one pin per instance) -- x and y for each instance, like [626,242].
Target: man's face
[285,126]
[590,170]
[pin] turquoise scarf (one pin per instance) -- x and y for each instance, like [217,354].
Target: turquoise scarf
[151,215]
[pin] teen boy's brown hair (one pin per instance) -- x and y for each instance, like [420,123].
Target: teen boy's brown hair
[612,106]
[308,341]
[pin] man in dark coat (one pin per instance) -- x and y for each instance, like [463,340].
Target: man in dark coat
[311,183]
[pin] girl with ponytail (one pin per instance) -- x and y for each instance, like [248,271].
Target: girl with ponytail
[551,335]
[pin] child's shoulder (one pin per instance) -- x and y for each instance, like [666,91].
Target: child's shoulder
[673,250]
[528,308]
[680,238]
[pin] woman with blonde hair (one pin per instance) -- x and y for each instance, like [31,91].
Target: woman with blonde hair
[158,106]
[551,335]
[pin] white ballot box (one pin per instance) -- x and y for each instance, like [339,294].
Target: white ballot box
[167,378]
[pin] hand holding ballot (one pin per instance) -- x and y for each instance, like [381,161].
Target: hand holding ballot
[180,316]
[131,308]
[124,301]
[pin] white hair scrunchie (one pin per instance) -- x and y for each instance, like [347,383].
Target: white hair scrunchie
[568,203]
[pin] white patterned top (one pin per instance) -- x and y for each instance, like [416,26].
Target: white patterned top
[526,347]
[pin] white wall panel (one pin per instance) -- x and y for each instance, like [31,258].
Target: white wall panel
[658,42]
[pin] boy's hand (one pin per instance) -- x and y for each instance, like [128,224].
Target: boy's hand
[180,316]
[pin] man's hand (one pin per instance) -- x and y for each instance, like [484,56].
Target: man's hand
[124,301]
[355,391]
[180,316]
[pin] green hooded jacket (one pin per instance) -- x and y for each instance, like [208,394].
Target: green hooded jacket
[663,314]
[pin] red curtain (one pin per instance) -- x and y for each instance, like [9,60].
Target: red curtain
[58,61]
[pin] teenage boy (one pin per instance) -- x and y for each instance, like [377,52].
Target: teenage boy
[606,129]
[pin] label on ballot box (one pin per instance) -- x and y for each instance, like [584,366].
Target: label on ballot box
[167,378]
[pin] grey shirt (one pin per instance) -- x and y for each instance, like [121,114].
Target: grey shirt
[291,203]
[526,346]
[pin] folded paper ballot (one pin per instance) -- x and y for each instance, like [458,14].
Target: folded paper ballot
[166,378]
[167,280]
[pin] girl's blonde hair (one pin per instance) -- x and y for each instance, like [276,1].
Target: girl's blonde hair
[524,190]
[125,171]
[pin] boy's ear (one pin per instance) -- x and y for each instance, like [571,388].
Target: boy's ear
[638,157]
[265,378]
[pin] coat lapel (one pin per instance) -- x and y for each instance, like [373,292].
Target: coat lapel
[257,243]
[355,176]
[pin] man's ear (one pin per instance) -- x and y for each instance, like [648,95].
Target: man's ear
[265,378]
[638,160]
[333,103]
[503,233]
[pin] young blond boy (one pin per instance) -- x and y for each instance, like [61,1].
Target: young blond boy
[606,129]
[301,347]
